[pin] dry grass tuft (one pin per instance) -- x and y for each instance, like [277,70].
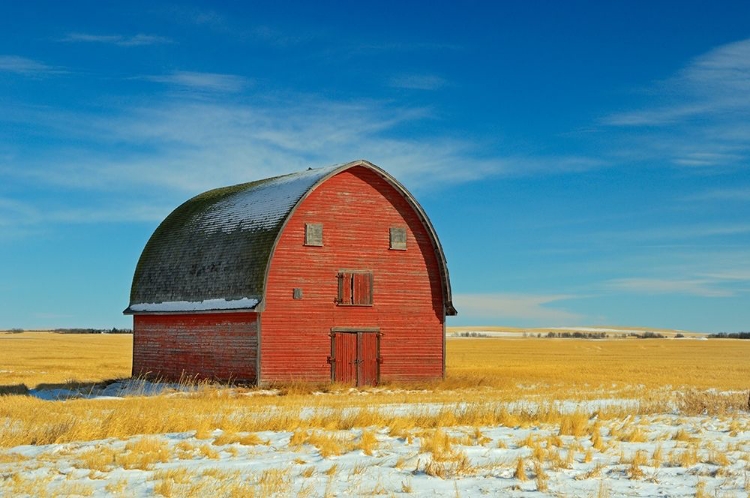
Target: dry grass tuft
[439,444]
[540,477]
[717,458]
[368,442]
[681,435]
[12,458]
[700,490]
[596,436]
[685,458]
[249,439]
[639,459]
[100,458]
[331,444]
[635,435]
[479,438]
[406,487]
[274,482]
[594,472]
[143,453]
[657,456]
[206,451]
[116,486]
[74,489]
[575,424]
[710,402]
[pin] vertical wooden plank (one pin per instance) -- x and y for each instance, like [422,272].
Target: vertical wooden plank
[367,359]
[345,355]
[347,289]
[362,288]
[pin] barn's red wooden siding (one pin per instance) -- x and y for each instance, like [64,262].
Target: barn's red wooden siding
[356,207]
[214,345]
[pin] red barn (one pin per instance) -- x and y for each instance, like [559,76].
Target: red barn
[331,274]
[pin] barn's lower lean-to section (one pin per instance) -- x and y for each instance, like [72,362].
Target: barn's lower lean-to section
[196,346]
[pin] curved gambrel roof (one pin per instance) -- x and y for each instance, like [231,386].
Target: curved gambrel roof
[213,252]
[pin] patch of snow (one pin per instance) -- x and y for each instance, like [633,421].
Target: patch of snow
[115,390]
[261,207]
[206,305]
[55,394]
[399,464]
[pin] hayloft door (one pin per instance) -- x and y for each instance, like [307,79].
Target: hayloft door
[355,356]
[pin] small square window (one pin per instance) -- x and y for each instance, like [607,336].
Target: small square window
[314,234]
[398,238]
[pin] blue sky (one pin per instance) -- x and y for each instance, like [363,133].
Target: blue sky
[583,162]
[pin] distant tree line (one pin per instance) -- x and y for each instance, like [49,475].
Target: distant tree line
[649,335]
[730,335]
[113,330]
[470,334]
[594,335]
[576,335]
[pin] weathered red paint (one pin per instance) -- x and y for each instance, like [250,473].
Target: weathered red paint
[291,339]
[367,358]
[212,345]
[355,358]
[357,208]
[344,358]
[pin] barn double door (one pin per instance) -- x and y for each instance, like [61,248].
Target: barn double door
[355,357]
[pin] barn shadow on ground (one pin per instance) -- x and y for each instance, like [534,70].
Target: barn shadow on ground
[73,387]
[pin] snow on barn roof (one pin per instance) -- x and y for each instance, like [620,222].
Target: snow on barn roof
[212,252]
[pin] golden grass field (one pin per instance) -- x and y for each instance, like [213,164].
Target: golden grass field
[480,370]
[32,359]
[490,382]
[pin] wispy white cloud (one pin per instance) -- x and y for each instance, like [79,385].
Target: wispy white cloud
[202,81]
[693,287]
[119,40]
[741,194]
[738,275]
[15,213]
[22,65]
[418,82]
[502,308]
[195,144]
[676,233]
[718,81]
[699,117]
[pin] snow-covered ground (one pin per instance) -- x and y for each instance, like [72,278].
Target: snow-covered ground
[653,455]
